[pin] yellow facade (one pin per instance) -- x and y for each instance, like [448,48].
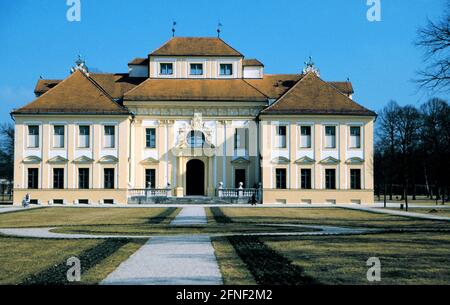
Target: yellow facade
[155,141]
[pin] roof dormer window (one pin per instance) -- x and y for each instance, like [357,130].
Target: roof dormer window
[166,69]
[196,69]
[226,69]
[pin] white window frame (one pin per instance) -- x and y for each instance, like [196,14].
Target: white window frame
[277,139]
[38,136]
[79,136]
[336,132]
[311,129]
[55,139]
[115,136]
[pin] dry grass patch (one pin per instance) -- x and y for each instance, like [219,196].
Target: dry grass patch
[328,216]
[56,216]
[416,258]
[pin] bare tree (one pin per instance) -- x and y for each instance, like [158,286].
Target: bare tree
[6,150]
[434,38]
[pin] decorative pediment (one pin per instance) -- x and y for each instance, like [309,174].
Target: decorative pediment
[354,160]
[281,160]
[305,160]
[32,160]
[83,160]
[108,160]
[240,160]
[57,160]
[149,160]
[330,161]
[196,124]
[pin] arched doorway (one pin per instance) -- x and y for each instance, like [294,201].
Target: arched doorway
[195,178]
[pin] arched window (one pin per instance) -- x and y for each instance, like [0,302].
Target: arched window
[196,138]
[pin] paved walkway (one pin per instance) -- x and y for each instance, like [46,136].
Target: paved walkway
[16,208]
[172,260]
[398,213]
[195,215]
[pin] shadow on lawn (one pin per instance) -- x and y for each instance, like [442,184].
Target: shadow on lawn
[57,274]
[267,266]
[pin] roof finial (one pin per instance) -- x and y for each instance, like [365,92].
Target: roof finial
[80,65]
[174,24]
[219,26]
[310,67]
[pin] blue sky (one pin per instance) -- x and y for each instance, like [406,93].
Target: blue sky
[378,57]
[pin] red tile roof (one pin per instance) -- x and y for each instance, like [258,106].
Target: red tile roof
[78,94]
[312,95]
[195,46]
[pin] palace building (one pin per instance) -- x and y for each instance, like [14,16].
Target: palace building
[193,118]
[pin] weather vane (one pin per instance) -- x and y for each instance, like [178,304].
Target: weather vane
[219,26]
[174,24]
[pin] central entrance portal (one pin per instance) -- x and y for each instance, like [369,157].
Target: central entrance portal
[195,178]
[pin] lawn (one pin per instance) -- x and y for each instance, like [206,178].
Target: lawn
[428,211]
[328,216]
[43,261]
[413,258]
[61,216]
[406,258]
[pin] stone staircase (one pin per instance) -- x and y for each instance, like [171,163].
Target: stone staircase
[195,200]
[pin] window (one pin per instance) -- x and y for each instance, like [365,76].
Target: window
[58,201]
[108,201]
[280,137]
[83,178]
[280,174]
[240,138]
[83,201]
[108,178]
[58,178]
[239,176]
[166,69]
[305,136]
[355,137]
[306,179]
[84,136]
[355,179]
[150,138]
[226,69]
[196,138]
[330,179]
[33,136]
[150,181]
[58,136]
[33,178]
[110,136]
[196,69]
[330,136]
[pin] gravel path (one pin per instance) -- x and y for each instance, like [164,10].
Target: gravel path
[195,215]
[171,260]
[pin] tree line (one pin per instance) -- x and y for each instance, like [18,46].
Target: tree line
[412,151]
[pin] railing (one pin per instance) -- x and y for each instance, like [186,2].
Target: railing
[148,195]
[240,195]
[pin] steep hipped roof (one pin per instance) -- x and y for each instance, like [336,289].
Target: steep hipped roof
[344,87]
[275,85]
[252,62]
[78,94]
[195,90]
[312,95]
[114,84]
[195,46]
[139,61]
[43,85]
